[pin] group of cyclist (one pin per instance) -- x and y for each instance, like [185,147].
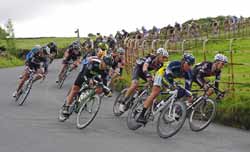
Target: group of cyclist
[166,72]
[103,57]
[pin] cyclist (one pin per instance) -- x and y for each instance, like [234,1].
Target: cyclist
[111,42]
[118,64]
[119,60]
[72,53]
[207,69]
[102,50]
[98,40]
[167,74]
[53,50]
[33,62]
[141,70]
[90,69]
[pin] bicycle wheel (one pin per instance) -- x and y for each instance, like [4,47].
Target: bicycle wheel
[133,114]
[61,81]
[88,111]
[171,119]
[118,101]
[202,115]
[24,92]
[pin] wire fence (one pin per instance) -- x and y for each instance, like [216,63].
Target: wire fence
[236,75]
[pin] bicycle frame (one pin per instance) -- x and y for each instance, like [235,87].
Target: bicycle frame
[204,96]
[170,100]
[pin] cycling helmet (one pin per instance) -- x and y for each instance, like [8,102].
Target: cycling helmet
[36,48]
[120,50]
[108,60]
[76,45]
[220,57]
[46,50]
[162,51]
[189,58]
[52,45]
[103,46]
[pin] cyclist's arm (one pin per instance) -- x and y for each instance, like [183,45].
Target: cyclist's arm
[45,64]
[169,77]
[66,54]
[145,69]
[188,80]
[217,80]
[199,77]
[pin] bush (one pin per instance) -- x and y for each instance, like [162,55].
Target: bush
[236,114]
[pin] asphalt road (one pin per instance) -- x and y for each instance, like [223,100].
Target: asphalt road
[34,127]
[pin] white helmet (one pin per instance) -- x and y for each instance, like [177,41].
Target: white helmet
[162,51]
[46,49]
[220,57]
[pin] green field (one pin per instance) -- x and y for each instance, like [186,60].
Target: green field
[28,43]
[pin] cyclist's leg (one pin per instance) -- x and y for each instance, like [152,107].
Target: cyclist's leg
[148,102]
[39,74]
[64,65]
[134,84]
[74,65]
[74,90]
[25,77]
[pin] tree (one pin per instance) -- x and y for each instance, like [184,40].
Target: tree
[3,33]
[11,45]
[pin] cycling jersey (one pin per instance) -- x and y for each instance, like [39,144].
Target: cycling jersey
[170,71]
[73,55]
[35,62]
[204,69]
[90,70]
[138,69]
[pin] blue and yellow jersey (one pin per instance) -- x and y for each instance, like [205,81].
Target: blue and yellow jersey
[171,70]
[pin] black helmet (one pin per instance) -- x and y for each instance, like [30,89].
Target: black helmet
[76,45]
[189,58]
[108,60]
[52,45]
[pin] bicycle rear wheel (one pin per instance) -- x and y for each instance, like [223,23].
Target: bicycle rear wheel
[133,114]
[117,103]
[88,111]
[202,115]
[24,93]
[171,119]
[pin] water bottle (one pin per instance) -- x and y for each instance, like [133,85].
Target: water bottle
[83,96]
[160,104]
[135,95]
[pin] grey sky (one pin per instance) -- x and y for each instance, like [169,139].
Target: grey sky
[20,10]
[35,18]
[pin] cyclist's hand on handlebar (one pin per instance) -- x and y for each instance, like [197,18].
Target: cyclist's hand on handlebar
[172,87]
[206,86]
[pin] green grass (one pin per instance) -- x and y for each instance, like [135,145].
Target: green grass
[10,61]
[28,43]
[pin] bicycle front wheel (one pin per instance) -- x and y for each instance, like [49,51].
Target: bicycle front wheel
[61,80]
[24,93]
[202,115]
[171,119]
[88,111]
[117,103]
[133,115]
